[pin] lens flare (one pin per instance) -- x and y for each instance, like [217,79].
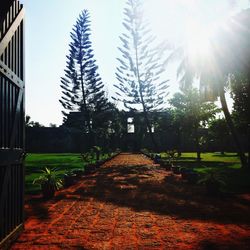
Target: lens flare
[198,40]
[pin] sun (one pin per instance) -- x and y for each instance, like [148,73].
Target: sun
[198,40]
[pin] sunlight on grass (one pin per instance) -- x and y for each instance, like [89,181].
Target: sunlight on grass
[228,166]
[34,163]
[227,157]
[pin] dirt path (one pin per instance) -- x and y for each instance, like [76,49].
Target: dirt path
[132,204]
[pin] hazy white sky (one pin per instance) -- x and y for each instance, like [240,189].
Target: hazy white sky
[48,27]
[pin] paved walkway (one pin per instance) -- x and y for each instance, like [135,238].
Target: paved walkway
[131,203]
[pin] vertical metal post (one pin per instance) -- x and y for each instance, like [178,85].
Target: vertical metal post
[248,142]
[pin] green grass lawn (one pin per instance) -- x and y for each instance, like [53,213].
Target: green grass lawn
[227,166]
[35,163]
[218,157]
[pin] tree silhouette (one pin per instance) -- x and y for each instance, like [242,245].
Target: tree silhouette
[29,123]
[82,87]
[140,87]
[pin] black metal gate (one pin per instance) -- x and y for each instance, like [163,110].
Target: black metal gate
[11,120]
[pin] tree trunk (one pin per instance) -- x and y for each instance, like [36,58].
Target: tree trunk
[86,111]
[150,130]
[145,112]
[179,141]
[198,150]
[222,144]
[231,126]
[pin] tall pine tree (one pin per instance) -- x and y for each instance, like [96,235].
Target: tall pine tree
[82,87]
[141,66]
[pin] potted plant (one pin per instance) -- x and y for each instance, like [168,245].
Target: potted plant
[100,162]
[78,172]
[213,183]
[90,168]
[185,172]
[117,150]
[49,182]
[189,174]
[151,156]
[172,157]
[165,165]
[97,150]
[69,178]
[192,177]
[109,153]
[157,158]
[88,156]
[176,169]
[146,152]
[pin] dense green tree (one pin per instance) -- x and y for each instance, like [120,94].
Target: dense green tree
[139,74]
[107,125]
[240,90]
[218,133]
[178,118]
[194,113]
[82,87]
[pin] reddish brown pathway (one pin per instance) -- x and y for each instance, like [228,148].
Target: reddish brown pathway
[132,204]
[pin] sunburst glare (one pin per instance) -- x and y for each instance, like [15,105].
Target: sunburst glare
[198,40]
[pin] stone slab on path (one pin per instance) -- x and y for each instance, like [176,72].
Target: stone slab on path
[131,203]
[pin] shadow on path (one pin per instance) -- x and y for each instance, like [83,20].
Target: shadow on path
[149,188]
[135,206]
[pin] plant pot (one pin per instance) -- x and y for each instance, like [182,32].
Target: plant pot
[69,180]
[166,165]
[48,191]
[90,168]
[78,173]
[212,188]
[192,177]
[160,161]
[185,172]
[176,169]
[157,159]
[99,163]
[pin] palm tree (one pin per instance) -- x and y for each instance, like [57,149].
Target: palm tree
[229,54]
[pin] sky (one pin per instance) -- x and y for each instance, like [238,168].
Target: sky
[47,36]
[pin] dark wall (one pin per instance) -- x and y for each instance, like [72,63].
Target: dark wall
[61,140]
[54,140]
[50,140]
